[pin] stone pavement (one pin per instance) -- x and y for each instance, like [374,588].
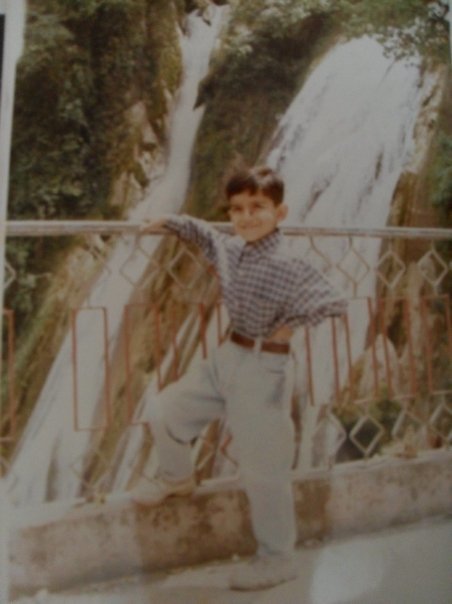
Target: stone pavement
[404,565]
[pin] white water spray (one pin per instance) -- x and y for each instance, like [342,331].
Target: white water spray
[341,148]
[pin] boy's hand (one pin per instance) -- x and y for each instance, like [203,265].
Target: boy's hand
[152,224]
[283,334]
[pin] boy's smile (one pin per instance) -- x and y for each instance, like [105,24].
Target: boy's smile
[254,215]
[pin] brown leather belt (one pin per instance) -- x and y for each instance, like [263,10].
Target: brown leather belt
[265,345]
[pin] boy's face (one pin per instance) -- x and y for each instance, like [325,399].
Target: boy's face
[254,215]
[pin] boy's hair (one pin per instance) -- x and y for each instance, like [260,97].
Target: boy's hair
[252,180]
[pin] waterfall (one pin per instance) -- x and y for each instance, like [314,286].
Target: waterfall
[50,448]
[341,148]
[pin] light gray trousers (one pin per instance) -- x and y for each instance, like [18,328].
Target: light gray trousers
[253,390]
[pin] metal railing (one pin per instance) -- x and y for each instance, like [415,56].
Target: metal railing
[375,382]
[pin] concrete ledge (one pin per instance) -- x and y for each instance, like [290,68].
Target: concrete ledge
[60,545]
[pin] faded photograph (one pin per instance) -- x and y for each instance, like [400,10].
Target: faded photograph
[226,256]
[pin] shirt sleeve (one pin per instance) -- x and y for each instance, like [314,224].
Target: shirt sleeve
[313,299]
[197,231]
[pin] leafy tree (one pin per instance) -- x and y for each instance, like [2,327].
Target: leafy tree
[403,26]
[85,63]
[442,197]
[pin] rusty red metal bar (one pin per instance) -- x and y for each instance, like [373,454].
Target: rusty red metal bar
[373,338]
[448,322]
[427,343]
[202,329]
[383,330]
[130,407]
[348,349]
[337,385]
[425,302]
[175,348]
[411,358]
[11,415]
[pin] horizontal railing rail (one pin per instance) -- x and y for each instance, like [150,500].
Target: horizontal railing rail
[57,228]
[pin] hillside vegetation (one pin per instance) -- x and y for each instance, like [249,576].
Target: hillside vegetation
[89,65]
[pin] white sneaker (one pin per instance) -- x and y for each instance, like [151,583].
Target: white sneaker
[160,488]
[264,572]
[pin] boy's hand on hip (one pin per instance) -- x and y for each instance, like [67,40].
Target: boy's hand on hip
[283,334]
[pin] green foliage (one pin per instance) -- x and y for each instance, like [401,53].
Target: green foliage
[34,263]
[86,62]
[442,196]
[265,40]
[264,45]
[86,9]
[405,27]
[19,253]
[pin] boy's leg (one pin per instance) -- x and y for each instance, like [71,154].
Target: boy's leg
[269,487]
[263,432]
[179,413]
[259,413]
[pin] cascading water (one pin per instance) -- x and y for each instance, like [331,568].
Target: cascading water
[43,465]
[341,148]
[348,134]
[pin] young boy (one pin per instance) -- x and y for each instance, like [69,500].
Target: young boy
[268,292]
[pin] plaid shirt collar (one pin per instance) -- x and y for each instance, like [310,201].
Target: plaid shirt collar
[263,246]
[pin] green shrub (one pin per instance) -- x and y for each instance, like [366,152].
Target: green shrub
[442,179]
[405,27]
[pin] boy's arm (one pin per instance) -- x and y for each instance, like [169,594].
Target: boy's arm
[313,299]
[190,229]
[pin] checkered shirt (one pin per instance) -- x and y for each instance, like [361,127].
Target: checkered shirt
[264,285]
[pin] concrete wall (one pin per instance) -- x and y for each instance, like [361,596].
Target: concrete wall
[59,545]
